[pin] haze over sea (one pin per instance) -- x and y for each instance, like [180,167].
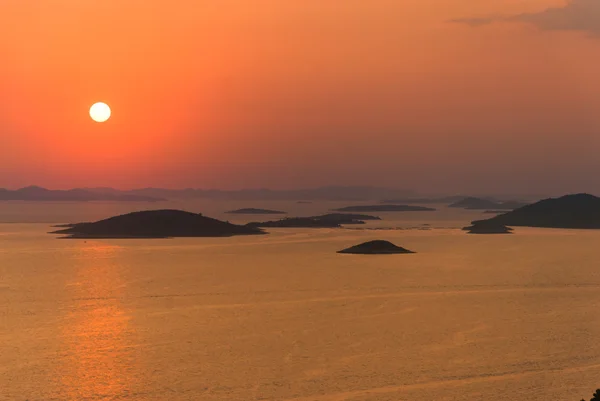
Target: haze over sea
[283,317]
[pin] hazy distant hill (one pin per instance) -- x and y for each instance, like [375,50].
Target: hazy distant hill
[34,193]
[331,193]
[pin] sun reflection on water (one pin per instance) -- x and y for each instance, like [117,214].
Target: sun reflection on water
[96,332]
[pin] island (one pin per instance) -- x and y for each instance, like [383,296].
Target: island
[385,208]
[347,218]
[579,211]
[296,222]
[483,204]
[331,220]
[156,224]
[251,210]
[377,247]
[487,227]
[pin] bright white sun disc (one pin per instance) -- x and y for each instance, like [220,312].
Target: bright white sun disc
[100,112]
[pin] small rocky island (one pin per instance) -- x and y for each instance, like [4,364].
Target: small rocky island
[487,227]
[252,210]
[377,247]
[331,220]
[385,208]
[570,211]
[156,224]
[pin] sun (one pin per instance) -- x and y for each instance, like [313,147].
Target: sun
[100,112]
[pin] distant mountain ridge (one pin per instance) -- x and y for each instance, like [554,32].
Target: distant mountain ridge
[35,193]
[327,193]
[332,193]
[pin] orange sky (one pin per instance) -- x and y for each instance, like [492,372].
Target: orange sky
[281,94]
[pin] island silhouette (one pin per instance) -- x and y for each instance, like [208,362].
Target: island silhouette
[376,247]
[487,227]
[347,218]
[331,220]
[296,222]
[156,224]
[569,211]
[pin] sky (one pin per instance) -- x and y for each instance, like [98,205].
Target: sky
[444,96]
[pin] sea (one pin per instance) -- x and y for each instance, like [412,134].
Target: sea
[284,317]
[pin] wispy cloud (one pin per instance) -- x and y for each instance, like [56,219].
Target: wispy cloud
[475,21]
[577,15]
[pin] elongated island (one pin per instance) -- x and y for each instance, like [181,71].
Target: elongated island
[156,224]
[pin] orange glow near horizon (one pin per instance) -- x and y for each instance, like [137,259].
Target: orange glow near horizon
[282,94]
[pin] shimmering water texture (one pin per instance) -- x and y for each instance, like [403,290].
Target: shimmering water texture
[284,317]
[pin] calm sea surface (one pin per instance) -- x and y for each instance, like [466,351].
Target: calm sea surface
[283,317]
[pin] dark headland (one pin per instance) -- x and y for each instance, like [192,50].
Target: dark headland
[570,211]
[385,208]
[331,220]
[157,224]
[251,210]
[377,247]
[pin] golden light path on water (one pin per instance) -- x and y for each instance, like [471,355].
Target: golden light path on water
[96,333]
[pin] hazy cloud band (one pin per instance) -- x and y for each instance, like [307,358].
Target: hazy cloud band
[577,15]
